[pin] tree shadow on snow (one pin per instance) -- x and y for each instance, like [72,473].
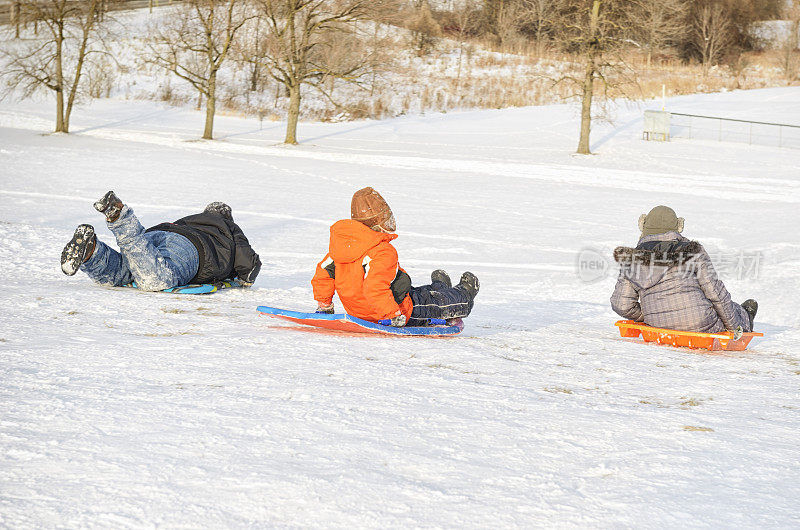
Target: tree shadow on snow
[131,119]
[246,133]
[339,133]
[597,144]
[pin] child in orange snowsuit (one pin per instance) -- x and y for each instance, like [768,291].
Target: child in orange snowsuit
[362,268]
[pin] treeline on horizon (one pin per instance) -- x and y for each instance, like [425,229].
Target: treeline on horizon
[661,29]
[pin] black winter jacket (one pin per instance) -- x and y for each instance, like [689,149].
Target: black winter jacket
[223,249]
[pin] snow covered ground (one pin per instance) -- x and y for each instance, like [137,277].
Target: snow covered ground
[127,409]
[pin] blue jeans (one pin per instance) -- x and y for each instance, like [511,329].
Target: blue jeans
[154,260]
[438,301]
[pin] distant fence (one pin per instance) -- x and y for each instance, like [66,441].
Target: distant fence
[733,130]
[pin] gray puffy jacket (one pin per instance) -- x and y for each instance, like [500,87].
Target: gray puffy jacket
[669,282]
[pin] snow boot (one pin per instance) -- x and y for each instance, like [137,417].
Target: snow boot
[79,249]
[470,284]
[110,205]
[751,306]
[221,208]
[440,276]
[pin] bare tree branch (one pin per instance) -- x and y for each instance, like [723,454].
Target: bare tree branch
[305,45]
[55,62]
[195,41]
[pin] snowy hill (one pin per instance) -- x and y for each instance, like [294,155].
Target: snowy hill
[131,409]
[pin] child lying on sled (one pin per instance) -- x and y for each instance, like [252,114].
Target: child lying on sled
[203,248]
[362,268]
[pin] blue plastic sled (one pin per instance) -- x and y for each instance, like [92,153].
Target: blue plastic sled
[198,288]
[348,323]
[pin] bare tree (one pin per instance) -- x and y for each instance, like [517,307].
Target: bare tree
[712,31]
[592,52]
[791,41]
[380,42]
[494,15]
[249,50]
[489,13]
[194,42]
[595,33]
[55,62]
[508,17]
[423,27]
[540,17]
[659,22]
[299,32]
[16,16]
[466,21]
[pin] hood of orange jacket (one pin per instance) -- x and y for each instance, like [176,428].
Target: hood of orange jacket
[350,240]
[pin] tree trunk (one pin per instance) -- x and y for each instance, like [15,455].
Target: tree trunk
[586,108]
[61,126]
[211,107]
[458,72]
[539,39]
[294,114]
[707,38]
[790,48]
[73,91]
[15,18]
[254,77]
[588,81]
[373,73]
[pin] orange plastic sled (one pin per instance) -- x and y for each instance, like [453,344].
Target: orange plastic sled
[686,339]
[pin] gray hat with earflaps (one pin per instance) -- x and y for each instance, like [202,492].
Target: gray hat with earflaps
[661,219]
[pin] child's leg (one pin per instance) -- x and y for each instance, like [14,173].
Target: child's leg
[438,301]
[737,316]
[152,265]
[107,266]
[740,317]
[179,253]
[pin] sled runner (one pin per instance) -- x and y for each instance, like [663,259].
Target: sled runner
[198,288]
[344,322]
[687,339]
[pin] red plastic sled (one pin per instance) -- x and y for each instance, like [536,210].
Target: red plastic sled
[722,341]
[351,324]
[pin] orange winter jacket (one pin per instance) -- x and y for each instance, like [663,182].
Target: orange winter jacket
[361,266]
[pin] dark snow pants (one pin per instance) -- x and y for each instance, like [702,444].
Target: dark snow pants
[438,301]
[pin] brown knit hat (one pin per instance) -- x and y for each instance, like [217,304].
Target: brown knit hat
[370,208]
[660,220]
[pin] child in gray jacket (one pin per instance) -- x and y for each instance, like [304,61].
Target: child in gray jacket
[668,281]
